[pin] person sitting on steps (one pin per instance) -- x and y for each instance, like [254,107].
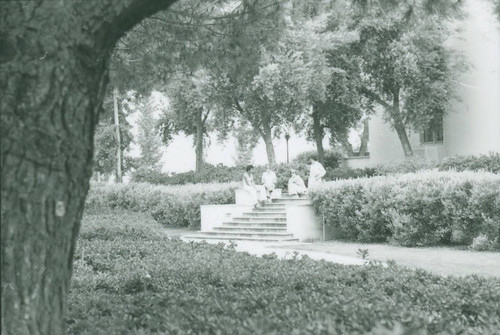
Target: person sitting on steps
[257,192]
[296,185]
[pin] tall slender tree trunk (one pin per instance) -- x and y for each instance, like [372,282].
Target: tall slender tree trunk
[268,140]
[199,141]
[318,137]
[363,148]
[53,61]
[118,138]
[399,125]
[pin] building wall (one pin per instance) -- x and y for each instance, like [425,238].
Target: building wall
[473,127]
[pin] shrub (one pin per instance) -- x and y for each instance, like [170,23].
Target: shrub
[489,162]
[407,165]
[343,172]
[208,174]
[137,281]
[333,158]
[482,243]
[426,208]
[169,205]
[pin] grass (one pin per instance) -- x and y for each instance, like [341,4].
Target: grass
[130,278]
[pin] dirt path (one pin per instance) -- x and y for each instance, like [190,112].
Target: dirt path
[439,260]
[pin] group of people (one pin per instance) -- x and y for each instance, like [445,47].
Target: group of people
[262,193]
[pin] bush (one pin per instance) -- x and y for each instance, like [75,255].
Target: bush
[208,174]
[169,205]
[407,165]
[137,281]
[490,162]
[333,158]
[426,208]
[343,172]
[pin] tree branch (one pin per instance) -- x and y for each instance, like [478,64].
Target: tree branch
[372,95]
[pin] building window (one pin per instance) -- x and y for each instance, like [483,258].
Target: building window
[434,133]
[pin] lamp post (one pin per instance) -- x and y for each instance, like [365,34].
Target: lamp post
[287,137]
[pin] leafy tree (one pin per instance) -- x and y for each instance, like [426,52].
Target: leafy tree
[148,139]
[191,105]
[290,71]
[405,67]
[247,140]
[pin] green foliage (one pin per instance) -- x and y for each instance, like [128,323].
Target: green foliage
[343,172]
[405,67]
[129,278]
[148,139]
[489,162]
[169,205]
[333,158]
[406,165]
[418,209]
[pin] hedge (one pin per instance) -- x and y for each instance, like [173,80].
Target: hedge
[169,205]
[489,162]
[129,278]
[418,209]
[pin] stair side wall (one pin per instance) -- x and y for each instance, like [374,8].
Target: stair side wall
[303,223]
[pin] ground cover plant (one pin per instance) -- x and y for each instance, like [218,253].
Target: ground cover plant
[417,209]
[174,205]
[129,278]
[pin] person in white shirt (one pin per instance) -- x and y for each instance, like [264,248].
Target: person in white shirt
[269,181]
[296,185]
[316,173]
[257,192]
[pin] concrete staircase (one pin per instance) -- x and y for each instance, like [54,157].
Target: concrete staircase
[267,224]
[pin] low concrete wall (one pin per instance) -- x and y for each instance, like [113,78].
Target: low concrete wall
[303,223]
[358,162]
[213,215]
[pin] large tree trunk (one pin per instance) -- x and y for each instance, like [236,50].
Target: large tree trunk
[268,140]
[53,61]
[318,137]
[199,141]
[403,138]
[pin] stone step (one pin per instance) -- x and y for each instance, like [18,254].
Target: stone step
[265,214]
[249,233]
[289,200]
[269,229]
[288,196]
[255,224]
[259,219]
[274,205]
[269,210]
[203,236]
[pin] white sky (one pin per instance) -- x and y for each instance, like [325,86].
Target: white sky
[180,156]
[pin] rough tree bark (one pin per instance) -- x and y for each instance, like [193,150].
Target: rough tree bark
[399,125]
[199,141]
[53,64]
[268,141]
